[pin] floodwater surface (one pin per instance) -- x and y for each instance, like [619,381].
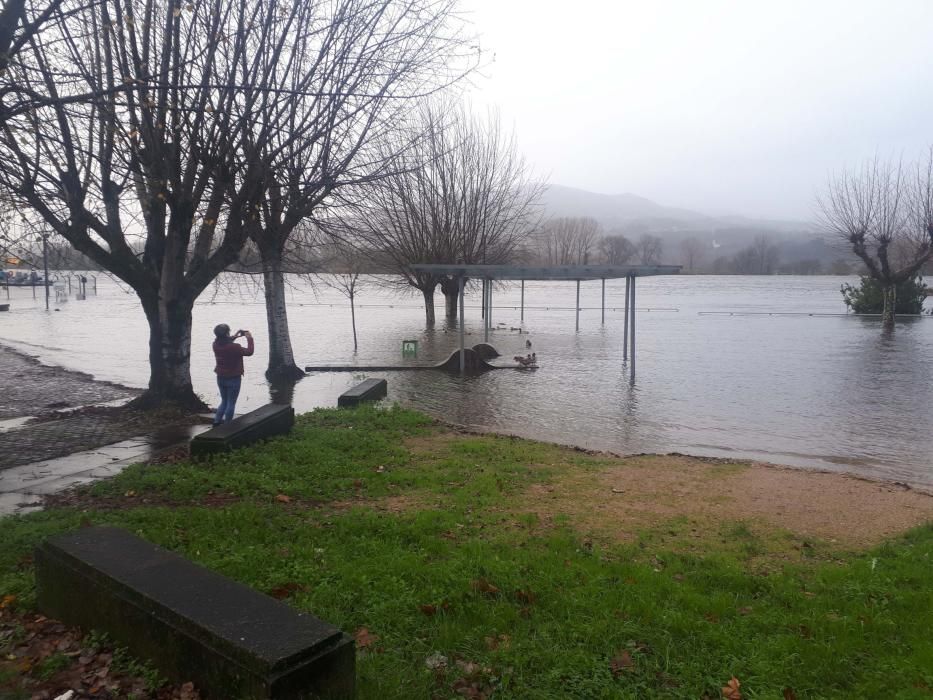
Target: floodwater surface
[726,366]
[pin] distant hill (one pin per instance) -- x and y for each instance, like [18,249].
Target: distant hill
[722,236]
[629,210]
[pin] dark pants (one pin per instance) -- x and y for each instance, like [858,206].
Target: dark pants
[229,391]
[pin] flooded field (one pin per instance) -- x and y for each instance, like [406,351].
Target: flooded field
[727,366]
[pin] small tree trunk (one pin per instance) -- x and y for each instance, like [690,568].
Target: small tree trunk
[451,289]
[281,358]
[428,306]
[353,318]
[889,293]
[169,355]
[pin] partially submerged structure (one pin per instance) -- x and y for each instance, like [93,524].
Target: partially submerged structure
[566,273]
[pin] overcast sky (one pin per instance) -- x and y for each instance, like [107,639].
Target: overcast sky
[723,106]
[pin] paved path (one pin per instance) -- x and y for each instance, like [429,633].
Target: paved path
[55,452]
[29,387]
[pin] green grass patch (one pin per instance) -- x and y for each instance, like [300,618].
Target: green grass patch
[462,594]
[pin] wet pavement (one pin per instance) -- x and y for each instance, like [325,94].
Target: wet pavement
[22,487]
[30,387]
[40,457]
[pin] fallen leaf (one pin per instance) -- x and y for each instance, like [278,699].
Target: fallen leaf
[285,590]
[745,610]
[621,663]
[282,498]
[7,601]
[731,690]
[483,586]
[526,597]
[429,610]
[789,694]
[364,638]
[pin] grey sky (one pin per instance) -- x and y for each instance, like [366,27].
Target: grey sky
[717,105]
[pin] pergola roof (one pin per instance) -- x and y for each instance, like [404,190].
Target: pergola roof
[557,272]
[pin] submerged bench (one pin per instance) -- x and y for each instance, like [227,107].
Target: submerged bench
[193,624]
[369,390]
[265,422]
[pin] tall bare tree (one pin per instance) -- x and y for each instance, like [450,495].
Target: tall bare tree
[694,251]
[372,62]
[884,210]
[616,249]
[146,155]
[458,192]
[570,240]
[649,249]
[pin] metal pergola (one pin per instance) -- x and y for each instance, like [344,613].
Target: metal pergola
[576,273]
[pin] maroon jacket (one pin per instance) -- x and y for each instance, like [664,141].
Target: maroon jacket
[230,357]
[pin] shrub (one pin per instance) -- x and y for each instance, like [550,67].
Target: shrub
[866,298]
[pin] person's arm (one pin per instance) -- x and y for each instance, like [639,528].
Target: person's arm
[248,350]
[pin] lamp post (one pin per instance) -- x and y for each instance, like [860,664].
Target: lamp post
[45,265]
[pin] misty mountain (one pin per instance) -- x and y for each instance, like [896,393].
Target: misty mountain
[721,236]
[629,210]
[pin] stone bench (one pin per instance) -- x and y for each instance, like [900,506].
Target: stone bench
[265,422]
[369,390]
[191,623]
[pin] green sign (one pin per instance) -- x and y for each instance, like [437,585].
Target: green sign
[409,348]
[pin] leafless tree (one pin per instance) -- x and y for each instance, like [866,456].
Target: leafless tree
[459,192]
[649,249]
[161,120]
[570,240]
[372,62]
[346,264]
[884,211]
[694,251]
[616,249]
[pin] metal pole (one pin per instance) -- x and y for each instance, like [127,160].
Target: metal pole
[604,301]
[489,310]
[69,285]
[632,365]
[578,306]
[45,264]
[462,324]
[486,316]
[482,313]
[523,301]
[628,284]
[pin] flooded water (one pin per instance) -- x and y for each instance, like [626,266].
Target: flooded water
[716,375]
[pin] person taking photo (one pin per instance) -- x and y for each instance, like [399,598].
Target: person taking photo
[229,355]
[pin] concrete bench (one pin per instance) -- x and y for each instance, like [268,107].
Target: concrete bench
[265,422]
[369,390]
[191,623]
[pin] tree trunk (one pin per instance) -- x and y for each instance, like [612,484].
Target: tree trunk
[353,318]
[889,293]
[451,289]
[281,358]
[169,356]
[429,318]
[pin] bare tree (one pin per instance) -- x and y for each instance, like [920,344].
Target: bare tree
[570,240]
[649,249]
[616,249]
[370,61]
[459,192]
[346,263]
[885,212]
[694,251]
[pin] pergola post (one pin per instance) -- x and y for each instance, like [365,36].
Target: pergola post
[522,318]
[632,364]
[628,284]
[462,324]
[578,306]
[603,322]
[487,287]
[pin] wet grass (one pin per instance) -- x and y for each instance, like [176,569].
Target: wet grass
[466,596]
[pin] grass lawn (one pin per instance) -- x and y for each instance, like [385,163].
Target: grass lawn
[438,549]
